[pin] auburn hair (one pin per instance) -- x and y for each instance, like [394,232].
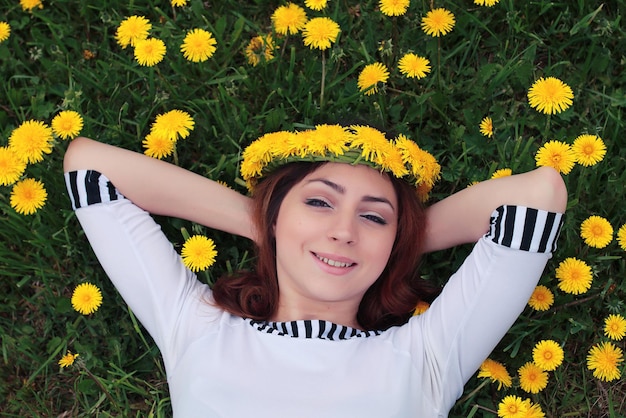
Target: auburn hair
[389,301]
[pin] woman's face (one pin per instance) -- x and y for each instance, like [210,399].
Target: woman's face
[334,233]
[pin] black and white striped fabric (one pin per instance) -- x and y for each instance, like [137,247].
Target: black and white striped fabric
[87,187]
[324,330]
[526,229]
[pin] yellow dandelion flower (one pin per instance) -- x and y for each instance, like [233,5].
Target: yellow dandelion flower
[548,355]
[596,231]
[589,149]
[320,33]
[512,407]
[438,22]
[621,237]
[149,51]
[11,166]
[615,327]
[282,143]
[289,19]
[68,359]
[421,307]
[304,143]
[198,253]
[316,4]
[556,154]
[495,371]
[370,76]
[393,161]
[534,411]
[414,66]
[260,48]
[173,124]
[550,95]
[393,7]
[332,138]
[503,172]
[487,3]
[605,359]
[532,378]
[409,149]
[486,127]
[131,30]
[31,140]
[67,124]
[541,299]
[198,45]
[5,31]
[574,276]
[158,146]
[422,165]
[430,167]
[28,5]
[86,298]
[28,196]
[292,144]
[259,153]
[373,143]
[178,3]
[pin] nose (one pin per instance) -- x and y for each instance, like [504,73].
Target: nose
[343,229]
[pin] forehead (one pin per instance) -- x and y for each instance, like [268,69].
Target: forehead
[355,178]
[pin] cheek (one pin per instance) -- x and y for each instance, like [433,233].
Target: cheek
[288,228]
[380,251]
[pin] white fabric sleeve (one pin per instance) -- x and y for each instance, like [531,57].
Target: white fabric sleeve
[482,300]
[138,258]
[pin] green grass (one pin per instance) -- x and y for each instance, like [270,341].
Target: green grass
[484,67]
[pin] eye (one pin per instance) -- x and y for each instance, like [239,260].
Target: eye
[375,218]
[318,203]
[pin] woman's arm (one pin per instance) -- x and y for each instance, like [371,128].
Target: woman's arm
[464,216]
[162,188]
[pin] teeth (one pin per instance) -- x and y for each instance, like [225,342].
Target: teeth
[333,262]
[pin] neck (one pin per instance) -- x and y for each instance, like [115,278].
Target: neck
[327,312]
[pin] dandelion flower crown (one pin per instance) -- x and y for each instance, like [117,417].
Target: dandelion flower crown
[355,144]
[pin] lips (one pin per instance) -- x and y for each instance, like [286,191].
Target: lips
[334,262]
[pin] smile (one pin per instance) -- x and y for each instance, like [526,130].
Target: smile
[333,262]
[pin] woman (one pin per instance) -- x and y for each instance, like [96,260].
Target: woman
[320,331]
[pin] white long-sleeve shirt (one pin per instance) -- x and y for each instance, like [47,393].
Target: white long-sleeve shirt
[220,365]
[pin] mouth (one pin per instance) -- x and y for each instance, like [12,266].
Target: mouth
[334,263]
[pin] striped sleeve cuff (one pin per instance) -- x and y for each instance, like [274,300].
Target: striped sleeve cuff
[88,187]
[523,228]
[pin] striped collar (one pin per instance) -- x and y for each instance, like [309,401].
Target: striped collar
[307,328]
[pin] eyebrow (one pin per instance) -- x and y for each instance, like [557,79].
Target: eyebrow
[342,190]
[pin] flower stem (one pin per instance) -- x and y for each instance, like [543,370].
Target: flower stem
[102,387]
[439,61]
[323,80]
[395,35]
[282,52]
[547,126]
[475,391]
